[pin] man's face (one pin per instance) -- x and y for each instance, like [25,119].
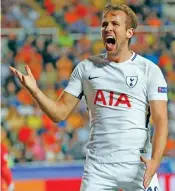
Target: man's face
[114,32]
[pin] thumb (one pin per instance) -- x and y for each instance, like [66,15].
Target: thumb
[143,159]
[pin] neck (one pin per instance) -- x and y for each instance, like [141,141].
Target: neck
[120,56]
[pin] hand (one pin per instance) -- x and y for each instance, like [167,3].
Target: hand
[151,168]
[28,81]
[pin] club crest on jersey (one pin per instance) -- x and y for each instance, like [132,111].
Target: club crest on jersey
[131,81]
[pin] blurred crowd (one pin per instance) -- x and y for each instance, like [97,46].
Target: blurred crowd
[29,134]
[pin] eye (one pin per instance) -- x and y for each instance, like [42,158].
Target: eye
[104,24]
[115,23]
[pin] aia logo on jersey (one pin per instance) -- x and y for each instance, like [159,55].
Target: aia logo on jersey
[112,101]
[131,81]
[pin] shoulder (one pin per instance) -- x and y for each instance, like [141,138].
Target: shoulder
[148,65]
[144,60]
[92,62]
[96,58]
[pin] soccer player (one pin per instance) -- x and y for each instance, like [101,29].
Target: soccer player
[119,86]
[6,174]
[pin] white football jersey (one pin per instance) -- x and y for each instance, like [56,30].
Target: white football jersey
[118,96]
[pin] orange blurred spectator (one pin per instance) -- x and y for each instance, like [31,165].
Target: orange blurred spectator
[165,60]
[171,77]
[75,120]
[24,97]
[153,20]
[70,17]
[170,147]
[35,65]
[75,13]
[49,138]
[64,64]
[24,55]
[47,122]
[28,56]
[95,21]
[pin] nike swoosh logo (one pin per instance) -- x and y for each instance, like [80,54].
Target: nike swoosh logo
[90,78]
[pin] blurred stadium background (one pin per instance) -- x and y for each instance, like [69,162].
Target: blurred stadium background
[52,37]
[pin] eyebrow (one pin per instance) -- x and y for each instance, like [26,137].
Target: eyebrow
[104,22]
[113,21]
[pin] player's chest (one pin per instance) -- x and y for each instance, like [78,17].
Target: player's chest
[119,79]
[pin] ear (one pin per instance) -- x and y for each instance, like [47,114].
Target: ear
[129,32]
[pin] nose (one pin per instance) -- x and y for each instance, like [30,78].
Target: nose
[109,27]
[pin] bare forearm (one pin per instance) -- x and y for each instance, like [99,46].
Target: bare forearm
[48,106]
[159,142]
[56,110]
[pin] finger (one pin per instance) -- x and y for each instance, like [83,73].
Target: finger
[147,182]
[12,69]
[28,70]
[147,177]
[19,75]
[16,72]
[143,159]
[23,80]
[145,185]
[147,171]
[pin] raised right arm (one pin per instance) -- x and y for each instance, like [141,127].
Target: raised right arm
[56,110]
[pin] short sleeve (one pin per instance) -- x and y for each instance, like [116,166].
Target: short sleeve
[156,84]
[75,86]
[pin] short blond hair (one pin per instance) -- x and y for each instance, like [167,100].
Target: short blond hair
[131,16]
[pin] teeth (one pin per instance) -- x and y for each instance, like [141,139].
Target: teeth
[110,37]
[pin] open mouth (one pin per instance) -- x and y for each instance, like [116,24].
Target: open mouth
[110,40]
[110,43]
